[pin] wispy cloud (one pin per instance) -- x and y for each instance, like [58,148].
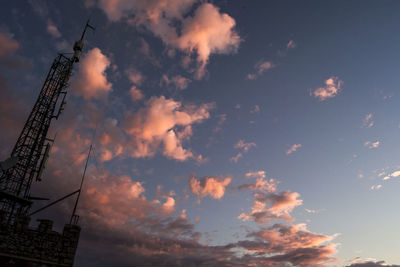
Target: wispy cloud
[52,29]
[371,144]
[241,144]
[331,89]
[293,148]
[260,68]
[367,121]
[376,187]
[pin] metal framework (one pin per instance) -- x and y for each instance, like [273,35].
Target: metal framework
[32,147]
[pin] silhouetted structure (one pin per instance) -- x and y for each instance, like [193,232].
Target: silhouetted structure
[20,245]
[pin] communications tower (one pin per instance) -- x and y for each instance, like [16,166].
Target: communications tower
[30,153]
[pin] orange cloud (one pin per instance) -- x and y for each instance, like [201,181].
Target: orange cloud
[212,186]
[91,80]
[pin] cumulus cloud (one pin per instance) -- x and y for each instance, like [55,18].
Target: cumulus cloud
[91,79]
[272,206]
[371,144]
[207,32]
[52,29]
[331,89]
[367,121]
[293,148]
[213,186]
[164,122]
[7,44]
[178,81]
[261,184]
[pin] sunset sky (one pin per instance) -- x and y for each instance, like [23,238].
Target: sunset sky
[226,133]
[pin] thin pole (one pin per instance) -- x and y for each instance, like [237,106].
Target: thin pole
[54,202]
[83,176]
[80,188]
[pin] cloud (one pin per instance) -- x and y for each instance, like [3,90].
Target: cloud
[371,145]
[376,187]
[91,79]
[261,184]
[7,44]
[293,148]
[244,146]
[136,77]
[236,157]
[206,32]
[52,29]
[164,122]
[368,122]
[256,109]
[281,244]
[331,89]
[213,186]
[372,264]
[272,206]
[260,67]
[291,44]
[178,81]
[136,93]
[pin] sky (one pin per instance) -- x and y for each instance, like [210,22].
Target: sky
[225,133]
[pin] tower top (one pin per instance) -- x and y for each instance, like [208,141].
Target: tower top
[78,46]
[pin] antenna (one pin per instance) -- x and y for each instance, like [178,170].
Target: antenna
[83,178]
[78,46]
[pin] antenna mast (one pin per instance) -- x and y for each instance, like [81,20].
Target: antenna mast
[32,147]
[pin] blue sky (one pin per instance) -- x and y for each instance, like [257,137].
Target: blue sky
[194,99]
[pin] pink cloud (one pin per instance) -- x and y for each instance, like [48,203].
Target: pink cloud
[331,89]
[236,157]
[206,32]
[136,93]
[178,81]
[91,80]
[368,122]
[260,67]
[291,44]
[167,122]
[261,184]
[244,146]
[272,206]
[293,148]
[371,144]
[7,44]
[213,186]
[52,29]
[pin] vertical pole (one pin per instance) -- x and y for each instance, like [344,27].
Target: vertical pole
[80,188]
